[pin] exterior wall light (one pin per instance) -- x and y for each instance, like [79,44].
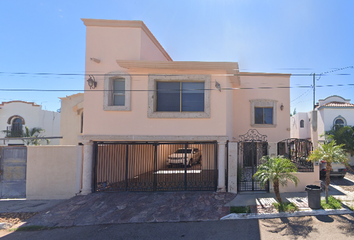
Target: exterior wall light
[281,107]
[92,82]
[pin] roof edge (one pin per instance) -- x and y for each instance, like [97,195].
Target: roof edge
[19,101]
[129,24]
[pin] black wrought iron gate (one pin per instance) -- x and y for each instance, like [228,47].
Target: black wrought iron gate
[252,147]
[155,166]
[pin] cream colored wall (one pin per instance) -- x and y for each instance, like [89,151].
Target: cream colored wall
[51,172]
[242,105]
[34,116]
[306,178]
[149,51]
[70,124]
[98,121]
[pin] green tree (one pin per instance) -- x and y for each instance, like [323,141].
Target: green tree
[277,170]
[33,135]
[342,135]
[331,153]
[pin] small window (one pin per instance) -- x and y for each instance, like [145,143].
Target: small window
[302,123]
[118,92]
[263,115]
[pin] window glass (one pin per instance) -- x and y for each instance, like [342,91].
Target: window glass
[263,115]
[339,122]
[119,86]
[268,115]
[258,113]
[302,123]
[168,96]
[119,92]
[119,100]
[193,96]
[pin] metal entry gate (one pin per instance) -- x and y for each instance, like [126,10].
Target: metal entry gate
[252,147]
[155,166]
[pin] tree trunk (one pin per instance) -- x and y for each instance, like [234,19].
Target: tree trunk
[276,191]
[328,178]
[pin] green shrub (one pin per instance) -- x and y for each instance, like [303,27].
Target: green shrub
[245,209]
[332,203]
[285,207]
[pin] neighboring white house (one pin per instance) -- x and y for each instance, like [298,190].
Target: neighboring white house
[328,112]
[16,115]
[71,123]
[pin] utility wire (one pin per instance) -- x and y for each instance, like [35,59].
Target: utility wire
[165,90]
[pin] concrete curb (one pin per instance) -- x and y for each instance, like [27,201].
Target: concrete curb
[233,216]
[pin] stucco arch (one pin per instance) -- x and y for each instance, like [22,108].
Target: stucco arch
[16,116]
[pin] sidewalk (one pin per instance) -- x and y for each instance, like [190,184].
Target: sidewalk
[261,204]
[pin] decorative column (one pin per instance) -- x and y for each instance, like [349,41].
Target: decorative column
[233,157]
[87,168]
[221,166]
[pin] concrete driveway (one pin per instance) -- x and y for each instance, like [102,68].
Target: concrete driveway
[135,207]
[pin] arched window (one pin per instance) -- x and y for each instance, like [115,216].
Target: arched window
[16,128]
[339,121]
[302,123]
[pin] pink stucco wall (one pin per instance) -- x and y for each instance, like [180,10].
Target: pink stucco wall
[136,121]
[242,105]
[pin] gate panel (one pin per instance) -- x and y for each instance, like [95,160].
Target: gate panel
[13,172]
[134,166]
[252,148]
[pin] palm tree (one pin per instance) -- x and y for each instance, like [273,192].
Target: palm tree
[331,153]
[277,170]
[33,133]
[342,135]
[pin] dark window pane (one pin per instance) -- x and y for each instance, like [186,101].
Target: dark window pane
[119,86]
[302,123]
[193,96]
[339,122]
[258,115]
[119,100]
[168,96]
[268,115]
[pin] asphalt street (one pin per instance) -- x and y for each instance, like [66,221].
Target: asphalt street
[317,227]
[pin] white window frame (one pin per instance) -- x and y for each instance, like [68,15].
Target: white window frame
[263,103]
[108,91]
[152,96]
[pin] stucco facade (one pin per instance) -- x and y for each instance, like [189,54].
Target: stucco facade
[322,119]
[29,115]
[71,123]
[127,50]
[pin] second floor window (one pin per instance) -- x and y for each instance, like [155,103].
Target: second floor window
[180,96]
[263,115]
[118,92]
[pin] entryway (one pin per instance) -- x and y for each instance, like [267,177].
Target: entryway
[251,148]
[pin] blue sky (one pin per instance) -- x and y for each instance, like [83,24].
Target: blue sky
[293,36]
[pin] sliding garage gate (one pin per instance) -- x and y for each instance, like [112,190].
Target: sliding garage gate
[155,166]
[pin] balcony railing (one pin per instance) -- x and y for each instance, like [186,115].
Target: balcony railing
[13,132]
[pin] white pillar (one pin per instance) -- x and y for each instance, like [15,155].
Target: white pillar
[233,157]
[87,168]
[221,166]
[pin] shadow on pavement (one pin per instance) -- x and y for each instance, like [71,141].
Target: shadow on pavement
[325,218]
[347,223]
[291,227]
